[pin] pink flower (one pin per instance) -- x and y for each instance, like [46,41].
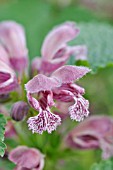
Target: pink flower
[12,37]
[58,87]
[8,80]
[94,132]
[55,51]
[27,158]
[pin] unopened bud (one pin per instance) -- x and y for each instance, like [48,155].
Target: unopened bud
[19,110]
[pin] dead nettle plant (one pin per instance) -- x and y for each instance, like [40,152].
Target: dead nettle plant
[39,99]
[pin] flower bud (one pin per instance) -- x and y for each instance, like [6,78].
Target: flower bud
[19,110]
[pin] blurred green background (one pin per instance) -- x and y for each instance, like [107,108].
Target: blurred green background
[38,17]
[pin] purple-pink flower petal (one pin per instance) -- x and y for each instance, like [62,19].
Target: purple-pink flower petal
[8,80]
[80,109]
[4,55]
[41,83]
[79,52]
[44,121]
[12,37]
[33,102]
[68,74]
[27,157]
[57,39]
[94,132]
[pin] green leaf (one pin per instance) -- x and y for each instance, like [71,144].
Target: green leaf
[5,164]
[98,38]
[2,131]
[103,165]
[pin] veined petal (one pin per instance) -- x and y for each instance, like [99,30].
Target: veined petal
[44,121]
[41,83]
[68,74]
[80,109]
[57,38]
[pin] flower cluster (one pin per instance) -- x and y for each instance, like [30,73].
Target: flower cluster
[52,92]
[55,82]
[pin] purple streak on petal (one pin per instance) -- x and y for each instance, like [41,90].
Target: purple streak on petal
[41,83]
[46,100]
[61,52]
[4,77]
[8,80]
[80,109]
[27,157]
[57,38]
[44,121]
[68,74]
[77,89]
[63,95]
[74,88]
[67,92]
